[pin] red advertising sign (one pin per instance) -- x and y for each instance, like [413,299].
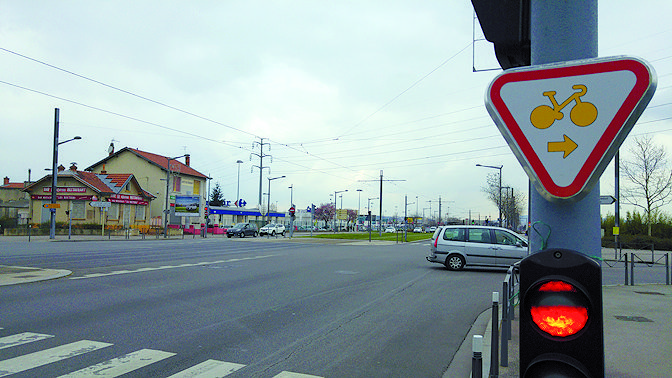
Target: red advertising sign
[127,199]
[64,197]
[65,189]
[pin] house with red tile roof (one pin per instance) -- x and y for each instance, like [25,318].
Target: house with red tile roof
[13,201]
[116,199]
[172,181]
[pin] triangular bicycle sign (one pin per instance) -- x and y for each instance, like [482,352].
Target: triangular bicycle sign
[564,122]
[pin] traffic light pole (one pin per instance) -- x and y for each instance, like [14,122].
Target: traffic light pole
[562,31]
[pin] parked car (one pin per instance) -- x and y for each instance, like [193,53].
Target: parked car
[432,229]
[390,230]
[417,229]
[272,229]
[241,230]
[460,246]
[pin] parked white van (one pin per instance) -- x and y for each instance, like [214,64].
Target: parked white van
[460,246]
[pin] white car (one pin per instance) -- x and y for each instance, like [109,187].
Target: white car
[390,230]
[460,246]
[417,229]
[272,229]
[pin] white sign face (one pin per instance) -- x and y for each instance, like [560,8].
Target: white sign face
[565,122]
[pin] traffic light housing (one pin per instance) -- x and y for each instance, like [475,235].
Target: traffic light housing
[506,23]
[561,327]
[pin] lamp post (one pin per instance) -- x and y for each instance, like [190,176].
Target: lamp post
[239,162]
[499,204]
[166,209]
[54,174]
[269,194]
[359,202]
[336,204]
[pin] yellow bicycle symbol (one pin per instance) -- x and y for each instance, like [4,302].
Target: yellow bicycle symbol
[582,114]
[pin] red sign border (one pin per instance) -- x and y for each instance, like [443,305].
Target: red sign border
[619,124]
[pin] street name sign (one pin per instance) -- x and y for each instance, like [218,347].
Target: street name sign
[52,205]
[564,122]
[100,204]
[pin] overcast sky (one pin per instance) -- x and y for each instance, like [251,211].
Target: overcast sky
[339,91]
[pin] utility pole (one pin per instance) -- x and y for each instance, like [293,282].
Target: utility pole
[563,31]
[261,167]
[380,229]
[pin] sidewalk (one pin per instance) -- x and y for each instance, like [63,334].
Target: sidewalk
[637,335]
[12,275]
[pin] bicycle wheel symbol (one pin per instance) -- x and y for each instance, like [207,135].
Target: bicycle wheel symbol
[582,114]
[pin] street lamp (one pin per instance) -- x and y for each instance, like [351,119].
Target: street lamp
[499,204]
[166,210]
[239,162]
[54,174]
[336,204]
[269,194]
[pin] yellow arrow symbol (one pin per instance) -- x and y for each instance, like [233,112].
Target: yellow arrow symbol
[566,146]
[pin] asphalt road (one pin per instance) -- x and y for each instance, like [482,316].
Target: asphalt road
[264,307]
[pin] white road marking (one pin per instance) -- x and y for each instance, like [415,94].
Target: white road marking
[121,365]
[21,338]
[289,374]
[141,270]
[209,369]
[37,359]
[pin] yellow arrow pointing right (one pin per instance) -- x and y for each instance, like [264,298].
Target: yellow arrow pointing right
[566,146]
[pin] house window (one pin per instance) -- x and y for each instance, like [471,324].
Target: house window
[140,212]
[78,210]
[113,211]
[197,187]
[177,184]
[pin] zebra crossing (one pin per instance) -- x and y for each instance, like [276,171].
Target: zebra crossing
[114,367]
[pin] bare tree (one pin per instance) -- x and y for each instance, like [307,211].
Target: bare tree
[650,179]
[513,201]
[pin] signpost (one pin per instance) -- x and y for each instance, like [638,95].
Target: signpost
[52,205]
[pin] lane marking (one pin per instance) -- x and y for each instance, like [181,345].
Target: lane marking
[209,369]
[37,359]
[121,365]
[21,338]
[186,265]
[289,374]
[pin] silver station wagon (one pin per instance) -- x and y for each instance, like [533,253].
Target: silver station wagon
[460,246]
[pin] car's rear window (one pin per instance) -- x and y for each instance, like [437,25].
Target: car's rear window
[454,234]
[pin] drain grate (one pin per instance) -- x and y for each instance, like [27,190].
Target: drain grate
[639,319]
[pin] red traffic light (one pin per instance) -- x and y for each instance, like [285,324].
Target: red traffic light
[559,309]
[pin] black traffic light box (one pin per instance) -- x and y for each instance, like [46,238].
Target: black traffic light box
[506,23]
[561,328]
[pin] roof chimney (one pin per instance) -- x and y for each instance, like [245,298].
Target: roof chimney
[73,167]
[187,160]
[61,168]
[103,171]
[6,181]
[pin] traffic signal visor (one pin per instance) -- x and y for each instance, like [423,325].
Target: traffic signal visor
[559,309]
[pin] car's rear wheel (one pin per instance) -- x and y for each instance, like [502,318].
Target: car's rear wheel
[455,262]
[272,233]
[242,234]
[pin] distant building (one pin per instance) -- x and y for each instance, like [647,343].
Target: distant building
[13,200]
[79,196]
[150,170]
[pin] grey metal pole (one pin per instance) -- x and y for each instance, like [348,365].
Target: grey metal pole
[617,204]
[54,177]
[562,31]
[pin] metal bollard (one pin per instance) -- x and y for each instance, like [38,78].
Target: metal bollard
[506,325]
[632,270]
[626,269]
[667,268]
[494,353]
[477,357]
